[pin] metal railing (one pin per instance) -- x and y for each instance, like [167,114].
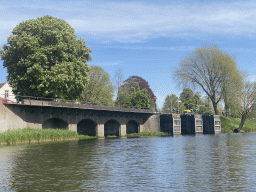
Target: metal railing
[56,102]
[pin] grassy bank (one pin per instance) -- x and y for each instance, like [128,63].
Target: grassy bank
[29,135]
[230,123]
[147,134]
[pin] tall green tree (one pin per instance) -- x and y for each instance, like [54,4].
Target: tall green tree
[132,95]
[231,89]
[43,58]
[143,85]
[99,91]
[187,98]
[247,104]
[193,101]
[208,68]
[171,104]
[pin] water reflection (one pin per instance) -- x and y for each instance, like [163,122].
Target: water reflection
[222,162]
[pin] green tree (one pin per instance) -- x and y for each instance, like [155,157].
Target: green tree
[247,104]
[100,91]
[193,101]
[132,95]
[231,88]
[44,59]
[143,85]
[208,68]
[171,104]
[187,98]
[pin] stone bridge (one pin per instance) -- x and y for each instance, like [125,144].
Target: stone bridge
[86,119]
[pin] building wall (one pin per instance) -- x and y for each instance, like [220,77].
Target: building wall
[7,87]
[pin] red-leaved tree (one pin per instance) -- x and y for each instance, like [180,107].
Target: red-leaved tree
[143,85]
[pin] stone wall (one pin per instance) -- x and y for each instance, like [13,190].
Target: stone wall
[8,118]
[152,123]
[13,116]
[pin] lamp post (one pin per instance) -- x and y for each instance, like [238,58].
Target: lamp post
[178,106]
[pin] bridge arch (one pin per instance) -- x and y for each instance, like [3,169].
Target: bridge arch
[132,127]
[111,127]
[87,127]
[55,123]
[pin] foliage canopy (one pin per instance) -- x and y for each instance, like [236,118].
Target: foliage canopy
[44,59]
[143,84]
[100,90]
[210,69]
[247,104]
[171,105]
[133,96]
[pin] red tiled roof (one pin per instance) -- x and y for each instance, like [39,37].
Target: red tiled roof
[1,85]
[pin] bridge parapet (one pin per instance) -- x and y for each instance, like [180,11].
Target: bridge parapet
[46,102]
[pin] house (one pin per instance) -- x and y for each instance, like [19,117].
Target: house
[6,92]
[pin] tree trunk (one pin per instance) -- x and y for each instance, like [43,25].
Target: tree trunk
[226,109]
[242,121]
[215,108]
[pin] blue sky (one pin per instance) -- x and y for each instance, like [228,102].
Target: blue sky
[146,38]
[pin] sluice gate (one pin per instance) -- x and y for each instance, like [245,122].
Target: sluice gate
[190,124]
[170,123]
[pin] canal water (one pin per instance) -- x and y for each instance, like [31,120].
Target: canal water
[224,162]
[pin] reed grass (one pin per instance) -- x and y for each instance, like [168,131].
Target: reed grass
[30,134]
[147,134]
[81,137]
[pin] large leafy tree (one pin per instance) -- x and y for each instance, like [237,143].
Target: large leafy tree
[100,91]
[231,89]
[143,85]
[210,69]
[191,100]
[132,95]
[247,104]
[171,104]
[44,58]
[187,98]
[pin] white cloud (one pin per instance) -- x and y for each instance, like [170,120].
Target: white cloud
[136,22]
[252,78]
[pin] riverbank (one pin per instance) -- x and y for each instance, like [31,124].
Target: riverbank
[30,135]
[147,134]
[228,124]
